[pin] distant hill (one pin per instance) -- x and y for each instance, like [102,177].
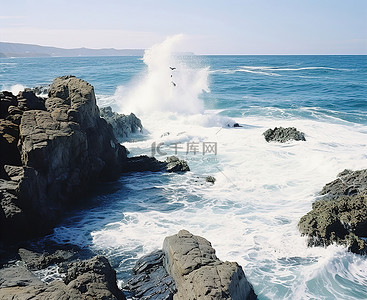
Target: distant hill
[29,50]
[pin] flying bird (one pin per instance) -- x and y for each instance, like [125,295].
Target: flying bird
[172,68]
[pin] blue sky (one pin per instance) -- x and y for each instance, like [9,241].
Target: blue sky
[210,27]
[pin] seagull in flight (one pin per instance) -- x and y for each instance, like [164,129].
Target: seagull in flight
[172,68]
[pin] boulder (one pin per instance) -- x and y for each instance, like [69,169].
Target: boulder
[188,269]
[282,135]
[210,179]
[199,274]
[123,126]
[174,164]
[94,278]
[90,279]
[340,216]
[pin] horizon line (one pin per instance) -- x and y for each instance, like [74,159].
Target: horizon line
[206,54]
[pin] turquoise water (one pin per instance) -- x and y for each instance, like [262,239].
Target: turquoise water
[251,213]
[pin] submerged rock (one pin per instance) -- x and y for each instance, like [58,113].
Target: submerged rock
[282,135]
[145,163]
[123,126]
[210,179]
[188,269]
[174,164]
[341,215]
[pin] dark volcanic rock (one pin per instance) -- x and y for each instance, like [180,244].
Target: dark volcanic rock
[90,279]
[210,179]
[199,274]
[282,135]
[174,164]
[151,280]
[342,221]
[27,100]
[123,126]
[341,215]
[7,99]
[348,183]
[145,163]
[64,146]
[9,154]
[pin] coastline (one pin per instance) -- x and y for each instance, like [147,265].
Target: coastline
[281,154]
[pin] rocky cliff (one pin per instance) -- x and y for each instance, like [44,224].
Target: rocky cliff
[52,151]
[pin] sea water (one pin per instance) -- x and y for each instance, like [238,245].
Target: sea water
[262,189]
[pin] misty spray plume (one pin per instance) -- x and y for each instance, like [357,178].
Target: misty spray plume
[164,88]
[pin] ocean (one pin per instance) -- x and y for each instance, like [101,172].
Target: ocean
[262,189]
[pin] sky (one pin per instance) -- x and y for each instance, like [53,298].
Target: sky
[209,27]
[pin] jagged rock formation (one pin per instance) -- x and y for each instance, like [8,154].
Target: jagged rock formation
[282,135]
[52,151]
[88,279]
[146,163]
[174,164]
[198,274]
[210,179]
[123,126]
[348,183]
[341,215]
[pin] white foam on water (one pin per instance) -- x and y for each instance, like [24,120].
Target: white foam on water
[270,70]
[251,213]
[261,191]
[15,89]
